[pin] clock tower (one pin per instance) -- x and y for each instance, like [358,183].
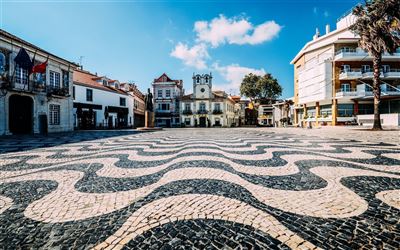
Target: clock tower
[202,85]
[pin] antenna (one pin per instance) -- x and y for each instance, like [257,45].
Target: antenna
[80,60]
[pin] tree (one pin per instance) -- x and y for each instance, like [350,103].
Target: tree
[248,87]
[260,87]
[378,25]
[268,88]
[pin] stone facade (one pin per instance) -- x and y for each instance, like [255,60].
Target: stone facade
[33,103]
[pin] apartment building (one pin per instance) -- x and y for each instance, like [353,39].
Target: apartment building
[333,80]
[100,102]
[167,93]
[35,88]
[205,107]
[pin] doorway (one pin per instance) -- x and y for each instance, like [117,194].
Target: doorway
[203,122]
[20,114]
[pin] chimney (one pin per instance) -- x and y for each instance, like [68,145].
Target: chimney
[327,29]
[316,34]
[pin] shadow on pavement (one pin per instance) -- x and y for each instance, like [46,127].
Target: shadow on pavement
[17,143]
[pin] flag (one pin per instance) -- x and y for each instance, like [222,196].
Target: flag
[23,60]
[40,68]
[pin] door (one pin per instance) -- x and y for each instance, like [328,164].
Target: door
[20,114]
[203,122]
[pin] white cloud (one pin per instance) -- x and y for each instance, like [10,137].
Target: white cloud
[195,56]
[237,30]
[233,74]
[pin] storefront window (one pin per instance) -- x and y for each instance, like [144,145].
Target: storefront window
[345,110]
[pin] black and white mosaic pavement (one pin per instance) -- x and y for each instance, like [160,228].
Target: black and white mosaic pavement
[198,189]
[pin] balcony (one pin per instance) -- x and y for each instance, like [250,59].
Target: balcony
[57,91]
[202,112]
[187,112]
[369,74]
[342,93]
[358,54]
[392,74]
[217,112]
[350,74]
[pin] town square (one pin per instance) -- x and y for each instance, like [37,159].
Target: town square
[200,124]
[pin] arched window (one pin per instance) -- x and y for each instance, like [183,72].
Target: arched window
[198,79]
[2,63]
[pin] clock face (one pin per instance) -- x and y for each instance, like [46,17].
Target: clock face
[202,90]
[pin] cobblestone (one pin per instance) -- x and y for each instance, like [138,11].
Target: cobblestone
[200,189]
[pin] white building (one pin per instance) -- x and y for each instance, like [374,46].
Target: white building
[333,79]
[37,102]
[167,93]
[206,108]
[100,102]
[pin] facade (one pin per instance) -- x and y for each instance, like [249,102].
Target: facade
[206,108]
[266,115]
[100,102]
[333,81]
[167,94]
[138,106]
[37,102]
[283,112]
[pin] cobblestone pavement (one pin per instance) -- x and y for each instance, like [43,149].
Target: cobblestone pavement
[242,188]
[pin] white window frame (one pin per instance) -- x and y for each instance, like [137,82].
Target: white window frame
[167,93]
[54,114]
[159,93]
[55,79]
[21,75]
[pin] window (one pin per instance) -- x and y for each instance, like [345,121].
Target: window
[202,107]
[365,68]
[73,92]
[168,93]
[2,63]
[105,83]
[206,79]
[217,107]
[187,121]
[345,110]
[385,68]
[65,78]
[89,95]
[187,106]
[55,79]
[345,87]
[346,68]
[21,75]
[159,93]
[165,106]
[198,79]
[122,101]
[54,114]
[39,78]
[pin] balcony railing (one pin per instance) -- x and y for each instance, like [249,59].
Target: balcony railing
[217,111]
[361,54]
[187,112]
[350,74]
[346,92]
[392,73]
[202,112]
[57,91]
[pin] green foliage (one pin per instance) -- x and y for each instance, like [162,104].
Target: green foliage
[378,25]
[260,87]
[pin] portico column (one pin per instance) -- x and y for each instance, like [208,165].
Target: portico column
[316,113]
[304,110]
[355,107]
[334,112]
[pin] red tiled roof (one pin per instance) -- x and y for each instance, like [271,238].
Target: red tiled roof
[83,77]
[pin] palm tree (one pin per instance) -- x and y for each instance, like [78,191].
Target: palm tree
[378,25]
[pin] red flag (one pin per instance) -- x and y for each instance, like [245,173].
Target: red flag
[40,68]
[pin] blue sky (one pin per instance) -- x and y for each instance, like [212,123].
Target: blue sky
[139,40]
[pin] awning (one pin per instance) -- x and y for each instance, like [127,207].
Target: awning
[113,109]
[87,106]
